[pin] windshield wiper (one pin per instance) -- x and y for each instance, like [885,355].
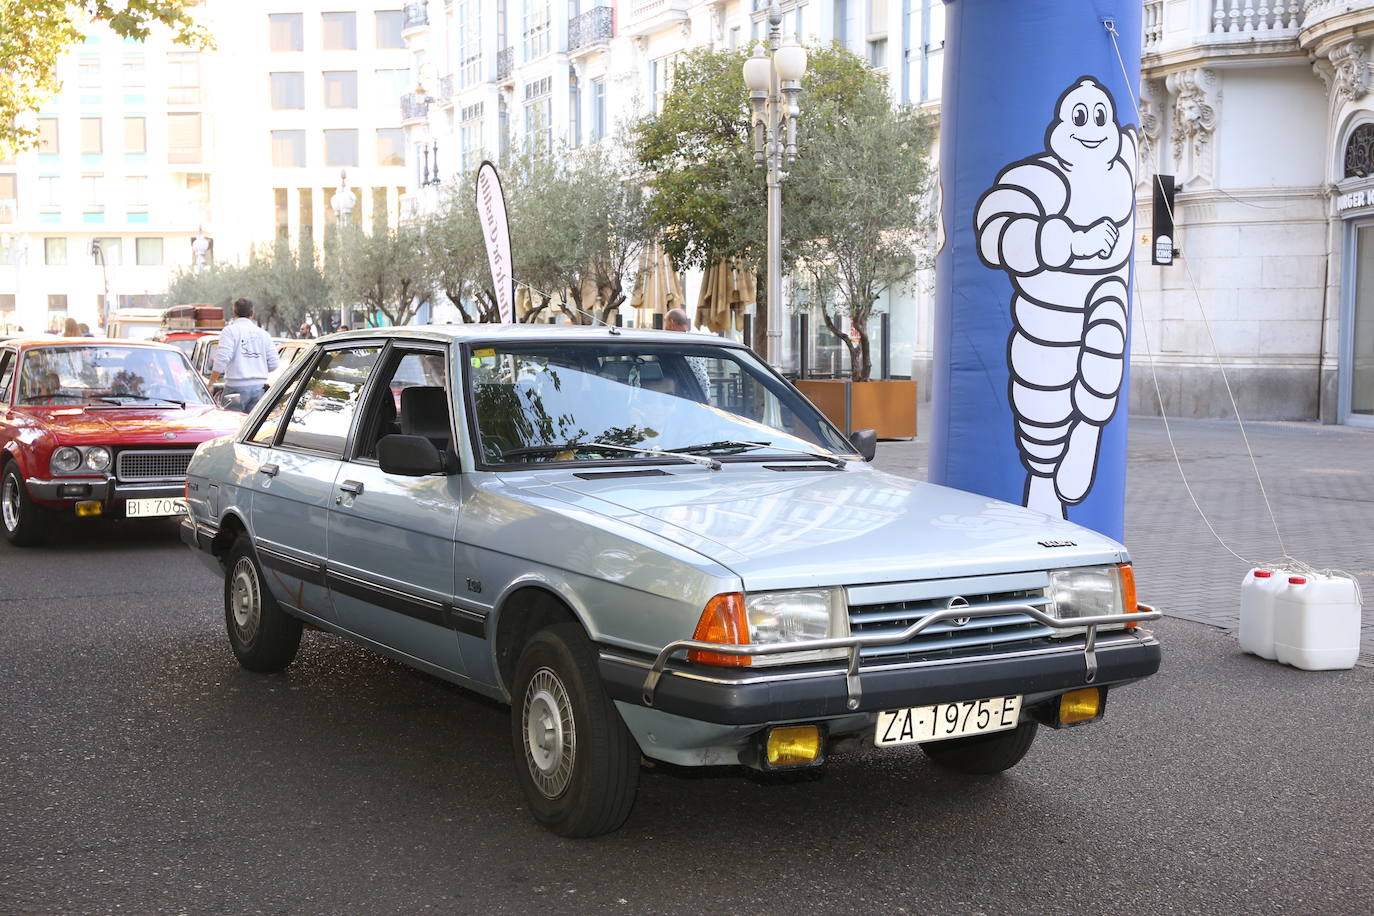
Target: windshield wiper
[711,463]
[119,399]
[834,460]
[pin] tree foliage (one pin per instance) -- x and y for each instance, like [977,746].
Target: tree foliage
[453,245]
[385,272]
[285,284]
[853,203]
[35,33]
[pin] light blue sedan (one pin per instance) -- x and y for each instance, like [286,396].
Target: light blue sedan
[651,546]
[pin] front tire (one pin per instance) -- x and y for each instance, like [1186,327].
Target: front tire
[982,755]
[575,760]
[25,522]
[263,636]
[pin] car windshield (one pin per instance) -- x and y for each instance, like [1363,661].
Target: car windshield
[108,375]
[585,401]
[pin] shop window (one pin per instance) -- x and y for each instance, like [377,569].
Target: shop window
[340,89]
[90,136]
[340,31]
[285,32]
[135,135]
[55,252]
[288,90]
[148,252]
[341,147]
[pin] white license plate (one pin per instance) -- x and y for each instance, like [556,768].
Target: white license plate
[149,508]
[917,724]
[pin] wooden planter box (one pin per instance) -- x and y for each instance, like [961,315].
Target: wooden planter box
[886,405]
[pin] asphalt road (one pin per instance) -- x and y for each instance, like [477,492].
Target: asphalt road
[142,771]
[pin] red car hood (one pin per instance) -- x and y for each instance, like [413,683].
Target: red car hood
[191,425]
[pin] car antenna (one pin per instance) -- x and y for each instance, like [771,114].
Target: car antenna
[566,304]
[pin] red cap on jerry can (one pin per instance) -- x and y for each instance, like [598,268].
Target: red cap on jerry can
[1262,574]
[1297,580]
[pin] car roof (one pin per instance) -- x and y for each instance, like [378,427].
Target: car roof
[40,340]
[478,333]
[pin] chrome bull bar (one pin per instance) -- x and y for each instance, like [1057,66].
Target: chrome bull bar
[856,644]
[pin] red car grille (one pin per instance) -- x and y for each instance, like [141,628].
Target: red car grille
[150,465]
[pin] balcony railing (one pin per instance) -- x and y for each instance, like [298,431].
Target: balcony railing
[589,28]
[414,107]
[417,14]
[1231,17]
[1152,26]
[505,63]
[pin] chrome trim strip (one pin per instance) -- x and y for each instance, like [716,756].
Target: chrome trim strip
[925,589]
[1115,642]
[368,583]
[954,609]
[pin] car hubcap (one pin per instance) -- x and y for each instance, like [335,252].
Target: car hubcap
[245,600]
[9,503]
[550,734]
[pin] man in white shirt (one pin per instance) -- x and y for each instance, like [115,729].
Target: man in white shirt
[245,356]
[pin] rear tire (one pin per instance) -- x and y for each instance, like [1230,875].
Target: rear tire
[982,755]
[574,758]
[263,636]
[25,522]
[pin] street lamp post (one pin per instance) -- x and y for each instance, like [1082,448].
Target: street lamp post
[773,76]
[98,252]
[343,203]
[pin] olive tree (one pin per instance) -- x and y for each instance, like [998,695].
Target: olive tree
[385,272]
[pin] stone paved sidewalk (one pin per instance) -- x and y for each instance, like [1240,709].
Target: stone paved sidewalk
[1320,481]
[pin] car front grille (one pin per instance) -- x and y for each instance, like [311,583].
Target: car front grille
[1002,632]
[153,465]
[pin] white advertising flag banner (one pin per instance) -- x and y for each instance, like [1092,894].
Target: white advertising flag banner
[491,210]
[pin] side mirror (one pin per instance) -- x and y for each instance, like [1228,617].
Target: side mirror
[409,456]
[865,442]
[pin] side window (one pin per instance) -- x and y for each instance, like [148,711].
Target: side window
[411,397]
[324,410]
[6,374]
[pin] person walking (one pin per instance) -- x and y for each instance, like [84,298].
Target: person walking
[70,328]
[245,356]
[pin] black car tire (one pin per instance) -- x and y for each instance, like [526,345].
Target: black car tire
[25,522]
[579,774]
[982,755]
[263,636]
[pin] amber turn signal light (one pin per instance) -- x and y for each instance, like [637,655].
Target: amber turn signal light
[723,622]
[1128,600]
[1081,705]
[88,507]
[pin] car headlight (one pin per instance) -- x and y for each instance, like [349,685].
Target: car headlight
[1092,591]
[97,458]
[66,459]
[769,618]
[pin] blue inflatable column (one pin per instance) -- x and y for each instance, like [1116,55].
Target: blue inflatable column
[1033,279]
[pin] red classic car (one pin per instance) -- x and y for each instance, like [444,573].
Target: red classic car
[90,428]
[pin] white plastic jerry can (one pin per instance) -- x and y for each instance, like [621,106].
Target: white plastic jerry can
[1317,622]
[1257,611]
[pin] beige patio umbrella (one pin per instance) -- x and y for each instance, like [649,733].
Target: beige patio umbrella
[658,287]
[726,290]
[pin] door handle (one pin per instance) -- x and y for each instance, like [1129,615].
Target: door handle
[269,469]
[352,486]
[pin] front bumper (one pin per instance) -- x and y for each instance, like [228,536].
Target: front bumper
[66,491]
[735,696]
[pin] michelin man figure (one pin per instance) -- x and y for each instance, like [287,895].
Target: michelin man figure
[1061,224]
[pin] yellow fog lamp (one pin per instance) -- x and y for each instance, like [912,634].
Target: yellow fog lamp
[88,507]
[1081,705]
[793,745]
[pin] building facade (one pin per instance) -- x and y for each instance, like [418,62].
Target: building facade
[117,189]
[150,146]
